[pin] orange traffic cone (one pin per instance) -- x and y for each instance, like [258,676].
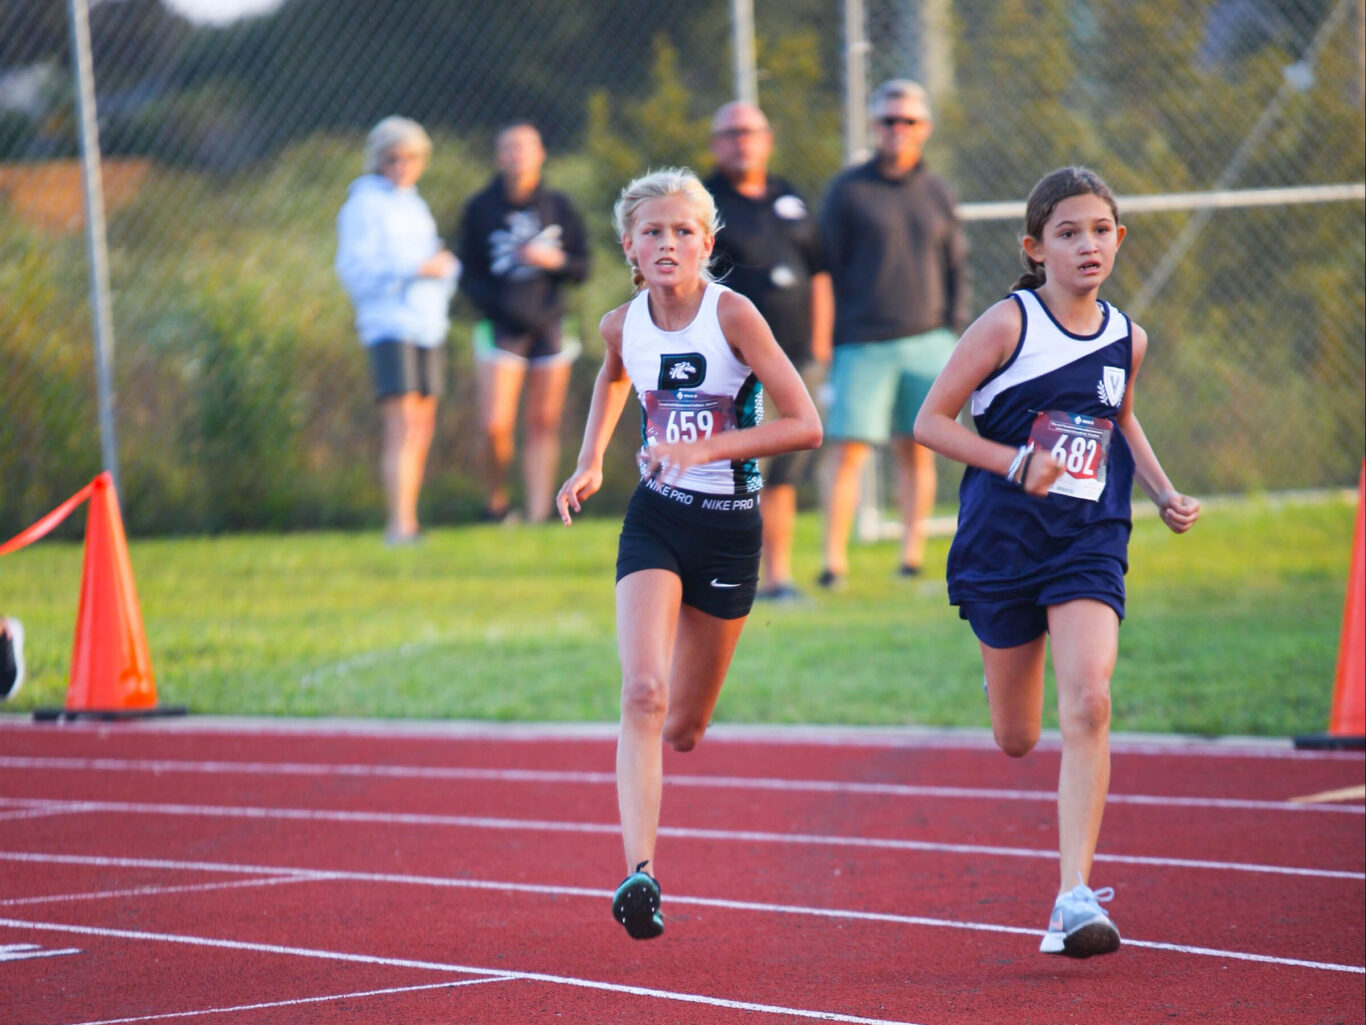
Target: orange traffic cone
[111,673]
[1347,723]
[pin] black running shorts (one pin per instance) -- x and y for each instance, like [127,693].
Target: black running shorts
[711,542]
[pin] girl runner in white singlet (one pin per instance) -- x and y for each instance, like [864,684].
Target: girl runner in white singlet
[700,357]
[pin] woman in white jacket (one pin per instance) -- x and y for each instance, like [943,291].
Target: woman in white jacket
[400,278]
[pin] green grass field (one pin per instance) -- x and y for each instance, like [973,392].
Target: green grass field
[1232,629]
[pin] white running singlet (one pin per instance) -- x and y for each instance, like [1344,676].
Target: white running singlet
[691,385]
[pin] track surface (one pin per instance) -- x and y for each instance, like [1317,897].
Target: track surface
[207,872]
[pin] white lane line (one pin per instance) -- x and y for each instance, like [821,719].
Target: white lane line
[297,1002]
[42,811]
[502,974]
[221,767]
[158,891]
[26,951]
[1162,745]
[528,889]
[612,829]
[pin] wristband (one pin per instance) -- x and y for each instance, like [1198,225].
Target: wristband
[1015,464]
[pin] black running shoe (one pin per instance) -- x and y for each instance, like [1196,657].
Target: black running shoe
[11,657]
[636,905]
[829,580]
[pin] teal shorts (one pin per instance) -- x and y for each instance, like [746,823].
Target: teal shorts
[877,387]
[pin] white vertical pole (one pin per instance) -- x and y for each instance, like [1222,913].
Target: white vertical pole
[742,32]
[855,82]
[867,522]
[97,253]
[936,18]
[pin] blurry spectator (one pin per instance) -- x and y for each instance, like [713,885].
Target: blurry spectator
[768,251]
[400,279]
[519,243]
[896,253]
[11,657]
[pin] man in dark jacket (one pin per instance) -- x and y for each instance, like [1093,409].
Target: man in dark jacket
[897,257]
[520,242]
[768,250]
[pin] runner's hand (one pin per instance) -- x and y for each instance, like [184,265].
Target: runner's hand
[667,462]
[1179,512]
[573,491]
[1040,474]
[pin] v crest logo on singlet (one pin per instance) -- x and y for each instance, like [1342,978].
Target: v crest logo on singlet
[682,370]
[1111,386]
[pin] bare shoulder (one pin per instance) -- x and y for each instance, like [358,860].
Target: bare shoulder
[611,325]
[745,328]
[1140,339]
[996,331]
[1003,315]
[737,309]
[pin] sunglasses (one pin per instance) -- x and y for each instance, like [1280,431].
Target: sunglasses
[892,122]
[739,133]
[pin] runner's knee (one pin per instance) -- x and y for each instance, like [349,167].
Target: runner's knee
[1087,712]
[683,736]
[1016,741]
[644,699]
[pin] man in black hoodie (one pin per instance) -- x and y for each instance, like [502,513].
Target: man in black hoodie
[897,256]
[519,243]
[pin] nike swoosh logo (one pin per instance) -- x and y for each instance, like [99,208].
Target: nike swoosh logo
[717,583]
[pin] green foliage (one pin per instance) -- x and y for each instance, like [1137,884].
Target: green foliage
[236,360]
[46,386]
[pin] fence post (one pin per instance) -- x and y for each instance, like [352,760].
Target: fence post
[856,49]
[97,253]
[742,42]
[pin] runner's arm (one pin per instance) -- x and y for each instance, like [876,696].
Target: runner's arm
[610,391]
[1179,512]
[984,348]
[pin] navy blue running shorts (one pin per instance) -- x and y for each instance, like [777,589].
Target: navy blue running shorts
[400,368]
[1008,624]
[710,542]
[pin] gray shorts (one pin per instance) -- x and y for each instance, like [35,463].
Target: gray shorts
[402,368]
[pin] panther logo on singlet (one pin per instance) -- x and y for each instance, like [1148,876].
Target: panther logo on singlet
[682,370]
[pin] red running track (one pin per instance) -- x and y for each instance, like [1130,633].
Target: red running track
[253,873]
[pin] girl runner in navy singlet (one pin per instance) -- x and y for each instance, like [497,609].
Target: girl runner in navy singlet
[1044,509]
[700,358]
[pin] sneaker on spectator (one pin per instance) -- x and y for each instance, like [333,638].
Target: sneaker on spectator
[829,580]
[780,594]
[1079,926]
[11,657]
[636,905]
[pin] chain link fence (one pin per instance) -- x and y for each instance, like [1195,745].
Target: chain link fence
[242,397]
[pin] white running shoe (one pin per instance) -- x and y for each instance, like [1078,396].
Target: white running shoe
[11,657]
[1079,926]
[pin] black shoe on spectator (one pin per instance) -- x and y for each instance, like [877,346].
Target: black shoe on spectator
[829,580]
